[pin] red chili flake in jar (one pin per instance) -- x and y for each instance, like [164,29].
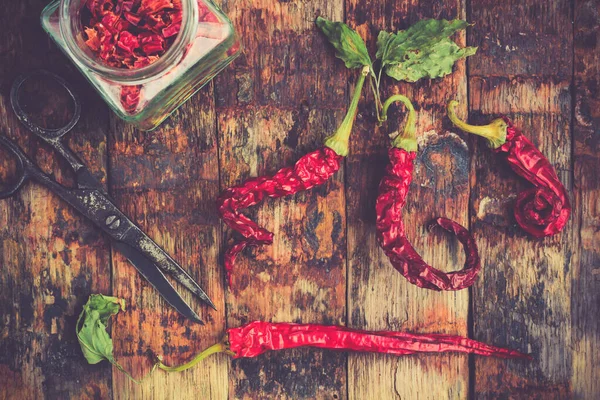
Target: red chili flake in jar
[130,97]
[118,31]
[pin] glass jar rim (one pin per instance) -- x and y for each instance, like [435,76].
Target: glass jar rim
[176,51]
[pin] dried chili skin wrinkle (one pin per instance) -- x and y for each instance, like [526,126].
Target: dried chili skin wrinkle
[542,210]
[259,337]
[391,234]
[311,170]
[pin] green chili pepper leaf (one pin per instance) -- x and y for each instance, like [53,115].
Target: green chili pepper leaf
[423,34]
[93,338]
[422,51]
[349,46]
[431,62]
[383,41]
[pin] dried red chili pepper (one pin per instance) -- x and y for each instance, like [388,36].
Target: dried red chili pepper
[542,210]
[391,236]
[258,337]
[312,169]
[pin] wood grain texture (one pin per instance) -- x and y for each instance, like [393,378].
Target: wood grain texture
[51,258]
[166,180]
[379,297]
[275,103]
[288,95]
[585,295]
[522,300]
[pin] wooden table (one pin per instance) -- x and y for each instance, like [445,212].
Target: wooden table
[538,63]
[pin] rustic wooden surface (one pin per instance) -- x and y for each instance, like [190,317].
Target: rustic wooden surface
[538,62]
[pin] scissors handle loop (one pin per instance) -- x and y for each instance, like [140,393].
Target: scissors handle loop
[47,134]
[21,169]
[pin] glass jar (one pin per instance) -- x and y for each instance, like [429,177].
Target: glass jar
[146,96]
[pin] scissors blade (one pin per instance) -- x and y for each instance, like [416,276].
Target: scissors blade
[157,279]
[165,262]
[100,209]
[85,180]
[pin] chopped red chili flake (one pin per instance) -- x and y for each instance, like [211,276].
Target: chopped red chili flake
[173,28]
[99,7]
[151,43]
[143,61]
[128,42]
[110,20]
[93,41]
[130,97]
[205,15]
[154,6]
[132,18]
[127,5]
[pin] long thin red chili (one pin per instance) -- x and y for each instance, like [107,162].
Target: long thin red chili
[258,337]
[391,235]
[312,169]
[542,210]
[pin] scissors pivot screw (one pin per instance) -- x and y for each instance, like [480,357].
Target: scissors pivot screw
[113,222]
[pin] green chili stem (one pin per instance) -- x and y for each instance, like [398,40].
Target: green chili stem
[407,140]
[494,132]
[338,142]
[120,368]
[375,90]
[377,95]
[379,76]
[217,348]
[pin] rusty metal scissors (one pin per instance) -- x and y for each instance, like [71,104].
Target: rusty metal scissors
[92,201]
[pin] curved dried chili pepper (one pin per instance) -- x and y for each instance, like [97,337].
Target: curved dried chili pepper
[542,210]
[256,338]
[312,169]
[391,235]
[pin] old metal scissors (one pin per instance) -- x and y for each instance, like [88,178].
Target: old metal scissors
[91,200]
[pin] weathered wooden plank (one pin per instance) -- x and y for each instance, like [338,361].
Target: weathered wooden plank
[166,180]
[518,44]
[51,259]
[291,93]
[522,299]
[379,297]
[585,294]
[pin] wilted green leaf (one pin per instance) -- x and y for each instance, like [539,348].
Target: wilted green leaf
[93,338]
[422,51]
[349,46]
[383,41]
[431,62]
[423,34]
